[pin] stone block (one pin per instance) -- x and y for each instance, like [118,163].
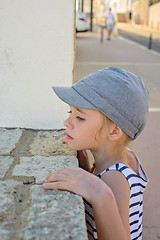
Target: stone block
[6,196]
[55,214]
[8,140]
[49,143]
[40,166]
[4,234]
[5,163]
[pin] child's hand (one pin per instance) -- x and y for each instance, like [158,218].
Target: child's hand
[77,181]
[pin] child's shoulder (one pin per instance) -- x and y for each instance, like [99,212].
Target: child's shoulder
[130,167]
[115,178]
[118,174]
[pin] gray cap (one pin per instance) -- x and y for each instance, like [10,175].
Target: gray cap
[117,93]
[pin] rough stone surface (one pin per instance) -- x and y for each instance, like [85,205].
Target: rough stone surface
[40,166]
[4,234]
[27,211]
[48,143]
[8,140]
[55,214]
[5,164]
[6,196]
[14,219]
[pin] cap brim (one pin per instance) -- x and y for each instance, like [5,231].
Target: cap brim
[73,98]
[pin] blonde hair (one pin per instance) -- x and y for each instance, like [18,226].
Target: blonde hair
[124,140]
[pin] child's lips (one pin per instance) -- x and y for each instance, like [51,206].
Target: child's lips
[68,136]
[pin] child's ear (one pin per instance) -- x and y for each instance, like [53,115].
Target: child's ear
[115,133]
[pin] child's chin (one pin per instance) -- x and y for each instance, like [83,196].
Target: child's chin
[74,148]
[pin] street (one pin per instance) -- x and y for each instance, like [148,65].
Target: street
[154,44]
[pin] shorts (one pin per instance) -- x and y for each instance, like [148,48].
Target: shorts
[110,26]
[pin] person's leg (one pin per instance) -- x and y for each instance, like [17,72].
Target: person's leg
[109,33]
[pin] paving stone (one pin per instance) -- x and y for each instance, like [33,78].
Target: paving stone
[49,143]
[6,196]
[5,163]
[40,166]
[8,140]
[55,215]
[151,233]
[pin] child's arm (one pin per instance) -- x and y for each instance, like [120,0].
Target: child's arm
[117,219]
[109,219]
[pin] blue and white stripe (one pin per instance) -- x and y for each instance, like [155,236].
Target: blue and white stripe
[137,183]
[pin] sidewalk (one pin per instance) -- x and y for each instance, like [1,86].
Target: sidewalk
[91,55]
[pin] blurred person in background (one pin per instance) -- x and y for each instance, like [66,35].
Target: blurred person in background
[110,22]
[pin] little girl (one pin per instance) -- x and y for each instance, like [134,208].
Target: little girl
[108,109]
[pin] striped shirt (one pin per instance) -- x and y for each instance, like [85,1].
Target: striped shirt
[137,183]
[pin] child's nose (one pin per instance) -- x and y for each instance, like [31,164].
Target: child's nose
[67,123]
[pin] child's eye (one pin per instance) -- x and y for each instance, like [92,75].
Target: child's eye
[79,118]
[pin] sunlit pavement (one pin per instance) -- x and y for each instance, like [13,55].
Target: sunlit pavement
[92,55]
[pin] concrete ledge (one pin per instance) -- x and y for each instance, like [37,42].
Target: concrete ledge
[27,210]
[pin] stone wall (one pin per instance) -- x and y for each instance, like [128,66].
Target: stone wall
[27,211]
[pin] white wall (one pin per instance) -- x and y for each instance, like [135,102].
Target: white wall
[154,16]
[36,52]
[122,6]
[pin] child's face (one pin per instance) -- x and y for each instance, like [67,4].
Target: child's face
[82,129]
